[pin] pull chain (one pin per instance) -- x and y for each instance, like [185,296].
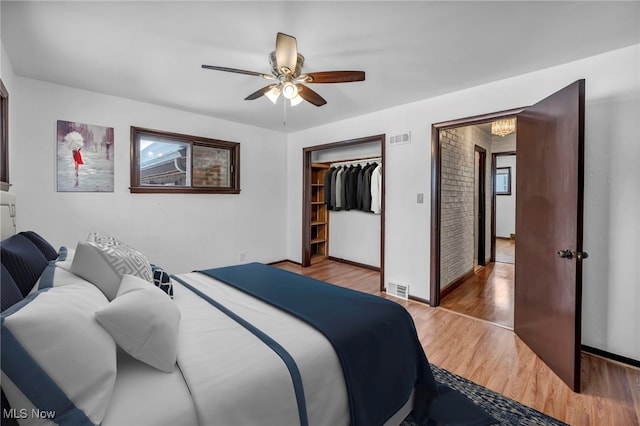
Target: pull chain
[284,111]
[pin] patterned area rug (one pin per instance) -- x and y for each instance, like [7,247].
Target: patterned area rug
[505,410]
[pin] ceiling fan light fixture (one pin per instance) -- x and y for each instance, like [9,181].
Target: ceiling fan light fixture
[296,100]
[273,94]
[289,90]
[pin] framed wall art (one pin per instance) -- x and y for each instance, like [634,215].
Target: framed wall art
[84,157]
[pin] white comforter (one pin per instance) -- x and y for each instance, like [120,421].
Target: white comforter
[236,379]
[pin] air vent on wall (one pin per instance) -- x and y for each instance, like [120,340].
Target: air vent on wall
[398,290]
[400,139]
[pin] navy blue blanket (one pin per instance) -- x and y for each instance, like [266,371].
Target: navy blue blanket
[375,339]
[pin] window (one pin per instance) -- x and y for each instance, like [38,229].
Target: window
[163,162]
[503,181]
[4,138]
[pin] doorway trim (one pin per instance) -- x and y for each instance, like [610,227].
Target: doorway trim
[482,205]
[307,153]
[494,165]
[436,175]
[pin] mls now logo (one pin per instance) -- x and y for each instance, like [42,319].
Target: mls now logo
[24,413]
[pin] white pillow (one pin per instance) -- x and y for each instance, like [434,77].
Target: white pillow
[56,357]
[144,322]
[105,266]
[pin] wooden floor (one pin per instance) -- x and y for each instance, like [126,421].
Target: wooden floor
[505,250]
[487,295]
[496,358]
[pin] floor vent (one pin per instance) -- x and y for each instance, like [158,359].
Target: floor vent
[398,290]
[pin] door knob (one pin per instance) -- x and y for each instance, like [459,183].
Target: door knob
[568,254]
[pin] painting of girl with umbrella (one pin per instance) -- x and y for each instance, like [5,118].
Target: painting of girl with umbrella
[75,142]
[88,145]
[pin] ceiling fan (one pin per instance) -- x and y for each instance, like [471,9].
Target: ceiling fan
[286,70]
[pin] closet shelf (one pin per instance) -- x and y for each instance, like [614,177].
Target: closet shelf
[319,214]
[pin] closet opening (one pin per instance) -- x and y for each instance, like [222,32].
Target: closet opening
[347,229]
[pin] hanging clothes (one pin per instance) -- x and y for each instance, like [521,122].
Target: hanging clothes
[376,190]
[360,187]
[366,191]
[327,188]
[334,177]
[352,186]
[339,189]
[351,182]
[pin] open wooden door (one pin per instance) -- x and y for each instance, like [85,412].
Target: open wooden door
[549,217]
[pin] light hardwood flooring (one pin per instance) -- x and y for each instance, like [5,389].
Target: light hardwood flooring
[487,295]
[496,358]
[505,250]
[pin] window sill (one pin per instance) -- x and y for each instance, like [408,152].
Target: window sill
[180,190]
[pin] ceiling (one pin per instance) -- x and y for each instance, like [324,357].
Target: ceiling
[152,51]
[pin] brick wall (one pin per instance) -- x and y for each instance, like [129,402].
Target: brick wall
[457,200]
[210,167]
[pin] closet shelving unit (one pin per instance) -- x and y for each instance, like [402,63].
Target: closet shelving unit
[319,214]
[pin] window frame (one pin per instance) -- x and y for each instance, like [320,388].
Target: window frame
[232,147]
[4,137]
[503,171]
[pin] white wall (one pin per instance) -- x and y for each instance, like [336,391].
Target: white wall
[180,232]
[506,204]
[611,291]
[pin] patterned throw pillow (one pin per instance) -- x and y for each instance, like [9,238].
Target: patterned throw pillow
[108,241]
[162,280]
[105,266]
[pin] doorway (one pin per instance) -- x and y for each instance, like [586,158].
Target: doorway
[476,278]
[503,210]
[549,221]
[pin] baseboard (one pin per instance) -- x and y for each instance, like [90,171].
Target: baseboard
[608,355]
[457,283]
[285,260]
[351,262]
[419,299]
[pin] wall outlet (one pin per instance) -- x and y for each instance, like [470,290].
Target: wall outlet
[241,256]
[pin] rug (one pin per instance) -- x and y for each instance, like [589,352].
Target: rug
[505,410]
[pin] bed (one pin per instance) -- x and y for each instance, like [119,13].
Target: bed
[95,334]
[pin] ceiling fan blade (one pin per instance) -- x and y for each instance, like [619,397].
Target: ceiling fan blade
[237,71]
[310,96]
[332,77]
[261,92]
[286,53]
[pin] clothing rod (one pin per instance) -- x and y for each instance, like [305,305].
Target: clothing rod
[361,160]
